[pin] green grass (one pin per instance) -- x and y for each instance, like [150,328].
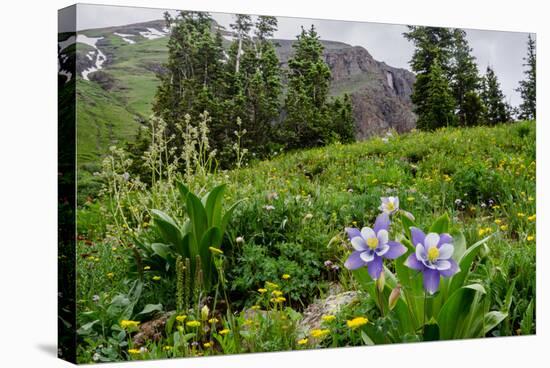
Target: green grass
[483,177]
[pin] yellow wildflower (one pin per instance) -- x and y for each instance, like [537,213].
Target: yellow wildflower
[167,348]
[498,222]
[128,324]
[134,351]
[213,320]
[278,299]
[357,322]
[193,324]
[532,218]
[262,290]
[276,293]
[271,285]
[225,331]
[286,276]
[521,214]
[328,318]
[207,345]
[110,275]
[255,307]
[156,278]
[215,250]
[319,334]
[147,268]
[181,318]
[410,199]
[302,341]
[504,227]
[530,238]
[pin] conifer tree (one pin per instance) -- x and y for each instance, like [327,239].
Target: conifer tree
[497,111]
[528,87]
[465,80]
[440,104]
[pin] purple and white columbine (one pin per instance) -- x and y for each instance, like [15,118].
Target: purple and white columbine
[432,257]
[371,245]
[389,205]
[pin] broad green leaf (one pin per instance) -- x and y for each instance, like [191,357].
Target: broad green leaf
[459,243]
[211,238]
[464,264]
[214,205]
[454,313]
[162,250]
[441,225]
[183,190]
[492,319]
[167,226]
[366,339]
[87,329]
[150,308]
[526,325]
[407,224]
[170,324]
[197,215]
[227,215]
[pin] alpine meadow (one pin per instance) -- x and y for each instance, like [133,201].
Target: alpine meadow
[238,191]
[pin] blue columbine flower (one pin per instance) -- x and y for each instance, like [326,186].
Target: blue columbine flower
[371,245]
[432,256]
[389,205]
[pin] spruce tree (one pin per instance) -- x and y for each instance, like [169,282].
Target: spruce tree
[528,87]
[465,80]
[307,119]
[473,109]
[440,104]
[431,44]
[497,111]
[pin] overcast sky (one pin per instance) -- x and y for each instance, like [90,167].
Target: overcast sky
[504,51]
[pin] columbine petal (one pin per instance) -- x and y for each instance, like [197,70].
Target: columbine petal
[359,243]
[382,223]
[375,267]
[382,249]
[396,250]
[445,239]
[352,232]
[452,270]
[414,263]
[442,264]
[420,252]
[446,251]
[354,261]
[417,236]
[367,233]
[383,237]
[431,280]
[432,239]
[367,256]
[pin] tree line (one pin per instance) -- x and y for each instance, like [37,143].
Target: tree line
[240,85]
[450,91]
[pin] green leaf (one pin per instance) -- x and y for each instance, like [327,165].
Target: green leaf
[211,238]
[170,324]
[431,331]
[214,205]
[455,312]
[527,325]
[197,215]
[162,250]
[441,225]
[87,329]
[407,224]
[459,243]
[227,215]
[464,264]
[492,319]
[183,191]
[167,226]
[366,339]
[150,308]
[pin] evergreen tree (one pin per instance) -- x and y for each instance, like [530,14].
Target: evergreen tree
[194,81]
[473,109]
[432,44]
[343,122]
[307,119]
[497,111]
[528,87]
[439,104]
[242,26]
[465,80]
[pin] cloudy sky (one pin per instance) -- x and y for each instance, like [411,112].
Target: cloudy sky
[501,50]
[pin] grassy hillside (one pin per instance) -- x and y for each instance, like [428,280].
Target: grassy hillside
[295,210]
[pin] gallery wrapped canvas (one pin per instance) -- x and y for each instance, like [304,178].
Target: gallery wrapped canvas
[235,183]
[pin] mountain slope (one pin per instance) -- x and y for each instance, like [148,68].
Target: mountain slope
[116,80]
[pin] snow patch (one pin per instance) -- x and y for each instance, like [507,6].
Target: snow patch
[68,42]
[125,37]
[152,33]
[100,57]
[67,74]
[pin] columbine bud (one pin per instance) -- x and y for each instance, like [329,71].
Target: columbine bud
[381,281]
[204,312]
[394,296]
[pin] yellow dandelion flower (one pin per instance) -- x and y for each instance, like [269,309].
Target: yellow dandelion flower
[224,332]
[410,199]
[271,285]
[110,275]
[262,290]
[167,348]
[255,307]
[504,227]
[213,320]
[521,214]
[147,268]
[193,324]
[156,278]
[207,345]
[318,333]
[276,293]
[532,218]
[530,199]
[134,351]
[328,318]
[302,341]
[286,276]
[181,318]
[498,221]
[530,238]
[357,322]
